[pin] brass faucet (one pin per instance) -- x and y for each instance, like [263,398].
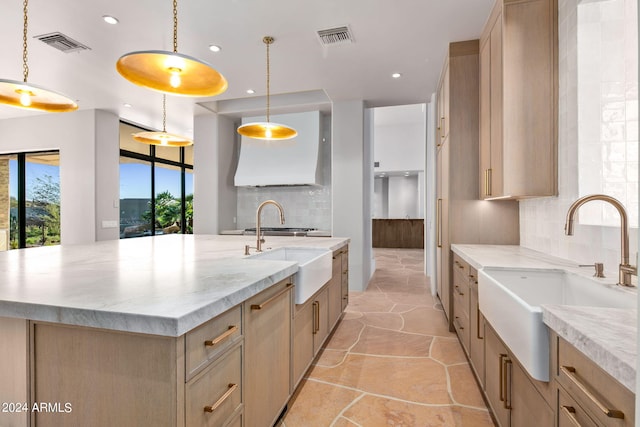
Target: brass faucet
[626,269]
[259,238]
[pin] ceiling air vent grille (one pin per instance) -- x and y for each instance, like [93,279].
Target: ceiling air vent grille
[334,36]
[62,42]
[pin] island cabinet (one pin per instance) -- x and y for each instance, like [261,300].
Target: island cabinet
[267,354]
[515,398]
[461,294]
[586,394]
[519,100]
[344,267]
[317,317]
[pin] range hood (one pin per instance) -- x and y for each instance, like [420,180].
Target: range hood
[286,162]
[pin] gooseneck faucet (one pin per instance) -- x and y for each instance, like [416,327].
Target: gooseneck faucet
[626,270]
[260,239]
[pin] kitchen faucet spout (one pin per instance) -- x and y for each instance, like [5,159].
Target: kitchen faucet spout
[626,270]
[259,238]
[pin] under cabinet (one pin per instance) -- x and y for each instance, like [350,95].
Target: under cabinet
[461,301]
[314,320]
[594,395]
[514,398]
[519,100]
[344,266]
[476,328]
[267,361]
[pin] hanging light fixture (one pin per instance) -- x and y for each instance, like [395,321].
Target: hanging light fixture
[23,95]
[162,138]
[171,72]
[267,130]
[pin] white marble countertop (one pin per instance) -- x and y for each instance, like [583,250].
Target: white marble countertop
[163,285]
[608,336]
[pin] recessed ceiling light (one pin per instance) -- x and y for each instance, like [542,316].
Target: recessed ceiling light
[251,91]
[214,48]
[396,75]
[110,19]
[127,105]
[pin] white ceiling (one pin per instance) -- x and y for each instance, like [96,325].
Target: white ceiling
[405,36]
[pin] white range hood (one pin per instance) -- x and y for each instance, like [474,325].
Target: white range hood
[288,162]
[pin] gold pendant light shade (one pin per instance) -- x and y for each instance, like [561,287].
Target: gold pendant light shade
[162,138]
[172,73]
[28,96]
[32,97]
[267,130]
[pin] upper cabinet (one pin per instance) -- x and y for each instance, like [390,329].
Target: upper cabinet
[519,100]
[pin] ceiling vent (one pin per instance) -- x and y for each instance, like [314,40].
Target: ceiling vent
[334,36]
[62,42]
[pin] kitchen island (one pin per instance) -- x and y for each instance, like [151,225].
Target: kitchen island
[103,334]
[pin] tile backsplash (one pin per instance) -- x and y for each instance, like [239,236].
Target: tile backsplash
[542,220]
[304,206]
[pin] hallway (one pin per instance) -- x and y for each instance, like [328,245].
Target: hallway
[392,360]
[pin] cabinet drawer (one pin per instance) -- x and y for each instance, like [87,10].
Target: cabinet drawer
[460,265]
[606,400]
[570,414]
[461,325]
[216,393]
[473,278]
[461,293]
[207,341]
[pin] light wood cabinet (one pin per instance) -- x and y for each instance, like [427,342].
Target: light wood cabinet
[267,361]
[461,301]
[586,392]
[460,216]
[519,100]
[514,398]
[476,328]
[344,265]
[314,320]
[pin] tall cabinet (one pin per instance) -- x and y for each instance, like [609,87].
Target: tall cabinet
[461,216]
[518,100]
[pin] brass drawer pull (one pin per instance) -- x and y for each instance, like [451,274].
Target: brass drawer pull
[316,317]
[232,329]
[478,322]
[570,412]
[438,223]
[570,372]
[270,300]
[507,383]
[225,396]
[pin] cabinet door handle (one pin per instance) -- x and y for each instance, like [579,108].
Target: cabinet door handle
[507,383]
[478,322]
[232,329]
[570,412]
[316,317]
[570,372]
[438,221]
[270,300]
[225,396]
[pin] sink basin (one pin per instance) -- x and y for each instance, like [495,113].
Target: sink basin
[510,300]
[315,267]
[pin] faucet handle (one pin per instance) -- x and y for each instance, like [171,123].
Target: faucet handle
[599,272]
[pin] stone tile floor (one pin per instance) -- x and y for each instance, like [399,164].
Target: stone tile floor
[392,360]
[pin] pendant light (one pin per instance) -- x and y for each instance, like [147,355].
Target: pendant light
[162,138]
[267,130]
[171,72]
[23,95]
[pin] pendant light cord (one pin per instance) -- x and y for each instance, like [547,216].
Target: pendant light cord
[25,66]
[164,113]
[175,26]
[268,40]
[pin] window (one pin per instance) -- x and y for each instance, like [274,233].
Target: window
[29,200]
[156,187]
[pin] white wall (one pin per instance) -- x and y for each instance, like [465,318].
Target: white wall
[351,210]
[89,166]
[215,159]
[403,196]
[542,220]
